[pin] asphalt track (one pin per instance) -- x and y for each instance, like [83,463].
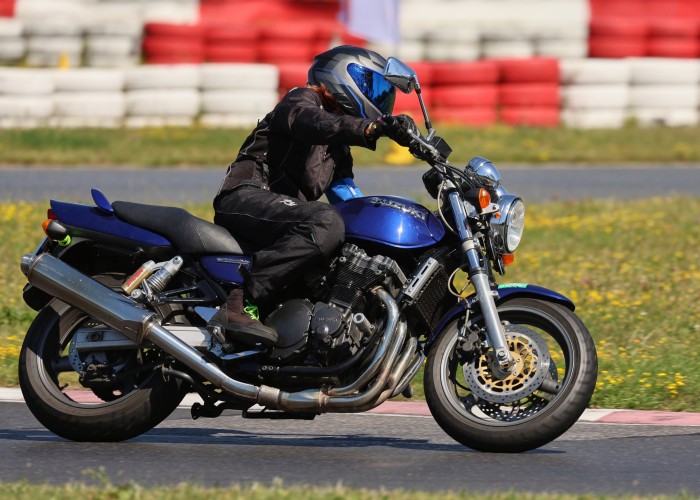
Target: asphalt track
[395,446]
[170,186]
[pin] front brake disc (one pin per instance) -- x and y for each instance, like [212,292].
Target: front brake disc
[532,360]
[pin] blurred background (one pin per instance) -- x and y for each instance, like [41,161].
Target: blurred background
[224,63]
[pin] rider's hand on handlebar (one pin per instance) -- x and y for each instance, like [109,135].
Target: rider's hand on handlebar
[400,128]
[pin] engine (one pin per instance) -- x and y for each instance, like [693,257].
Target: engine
[328,331]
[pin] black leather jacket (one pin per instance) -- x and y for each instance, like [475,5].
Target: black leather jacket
[298,149]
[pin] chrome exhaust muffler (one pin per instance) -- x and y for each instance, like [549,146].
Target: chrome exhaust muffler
[62,281]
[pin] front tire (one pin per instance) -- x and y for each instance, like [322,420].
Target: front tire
[133,408]
[480,412]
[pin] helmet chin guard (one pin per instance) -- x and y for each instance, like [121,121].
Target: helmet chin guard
[355,77]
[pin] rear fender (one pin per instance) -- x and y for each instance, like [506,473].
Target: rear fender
[503,293]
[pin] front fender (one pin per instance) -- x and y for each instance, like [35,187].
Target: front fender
[504,292]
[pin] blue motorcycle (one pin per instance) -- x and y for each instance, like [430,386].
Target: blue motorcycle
[124,293]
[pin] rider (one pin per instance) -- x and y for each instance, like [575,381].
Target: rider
[290,159]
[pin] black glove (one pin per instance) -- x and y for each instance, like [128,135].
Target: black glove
[397,128]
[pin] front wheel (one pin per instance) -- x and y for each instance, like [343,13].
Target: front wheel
[543,395]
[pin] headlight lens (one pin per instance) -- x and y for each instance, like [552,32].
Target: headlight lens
[508,228]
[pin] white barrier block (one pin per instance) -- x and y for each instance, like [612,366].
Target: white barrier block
[89,104]
[177,76]
[25,106]
[593,118]
[214,120]
[20,81]
[163,103]
[651,117]
[660,71]
[240,76]
[594,71]
[88,80]
[595,96]
[247,102]
[664,96]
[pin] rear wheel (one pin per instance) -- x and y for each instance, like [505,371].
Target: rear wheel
[546,392]
[130,394]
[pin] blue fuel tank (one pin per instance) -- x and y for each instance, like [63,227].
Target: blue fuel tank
[390,220]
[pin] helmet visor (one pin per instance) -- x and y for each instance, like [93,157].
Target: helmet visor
[374,87]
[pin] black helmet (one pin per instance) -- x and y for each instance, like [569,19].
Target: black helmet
[355,77]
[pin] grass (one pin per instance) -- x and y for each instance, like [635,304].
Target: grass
[255,491]
[631,268]
[217,147]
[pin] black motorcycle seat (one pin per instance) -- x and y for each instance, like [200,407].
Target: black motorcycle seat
[188,233]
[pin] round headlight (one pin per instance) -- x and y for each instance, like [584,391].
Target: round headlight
[508,228]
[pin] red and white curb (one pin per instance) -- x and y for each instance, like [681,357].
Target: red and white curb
[420,409]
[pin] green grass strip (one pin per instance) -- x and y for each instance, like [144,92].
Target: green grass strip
[218,147]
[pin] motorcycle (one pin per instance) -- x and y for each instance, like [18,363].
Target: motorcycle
[125,291]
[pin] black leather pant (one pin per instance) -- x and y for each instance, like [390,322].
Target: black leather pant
[295,236]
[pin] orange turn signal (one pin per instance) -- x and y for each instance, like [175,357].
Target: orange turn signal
[484,198]
[508,259]
[45,226]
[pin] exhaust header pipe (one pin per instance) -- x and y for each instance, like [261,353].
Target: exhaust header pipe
[64,282]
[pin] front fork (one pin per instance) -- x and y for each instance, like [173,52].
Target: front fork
[478,275]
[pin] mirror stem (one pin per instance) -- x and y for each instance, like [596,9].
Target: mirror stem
[428,125]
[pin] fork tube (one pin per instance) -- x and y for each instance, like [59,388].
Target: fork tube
[479,278]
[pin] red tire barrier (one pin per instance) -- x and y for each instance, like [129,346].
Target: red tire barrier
[529,94]
[665,27]
[174,30]
[7,8]
[463,73]
[292,75]
[226,53]
[290,32]
[408,103]
[535,117]
[166,46]
[619,27]
[687,48]
[275,52]
[475,117]
[538,69]
[615,48]
[231,35]
[174,59]
[465,96]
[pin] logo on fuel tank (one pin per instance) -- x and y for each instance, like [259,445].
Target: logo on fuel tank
[402,207]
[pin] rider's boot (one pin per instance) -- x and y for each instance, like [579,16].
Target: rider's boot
[240,322]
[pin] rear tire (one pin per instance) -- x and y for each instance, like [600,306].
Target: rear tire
[150,400]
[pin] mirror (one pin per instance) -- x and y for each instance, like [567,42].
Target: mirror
[401,75]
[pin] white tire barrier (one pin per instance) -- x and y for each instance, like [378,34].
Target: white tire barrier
[653,71]
[445,51]
[508,48]
[595,71]
[111,44]
[664,96]
[26,106]
[89,104]
[25,81]
[163,103]
[214,120]
[593,118]
[181,76]
[595,96]
[10,28]
[246,102]
[158,121]
[650,117]
[104,60]
[88,80]
[50,50]
[12,48]
[83,122]
[239,76]
[562,49]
